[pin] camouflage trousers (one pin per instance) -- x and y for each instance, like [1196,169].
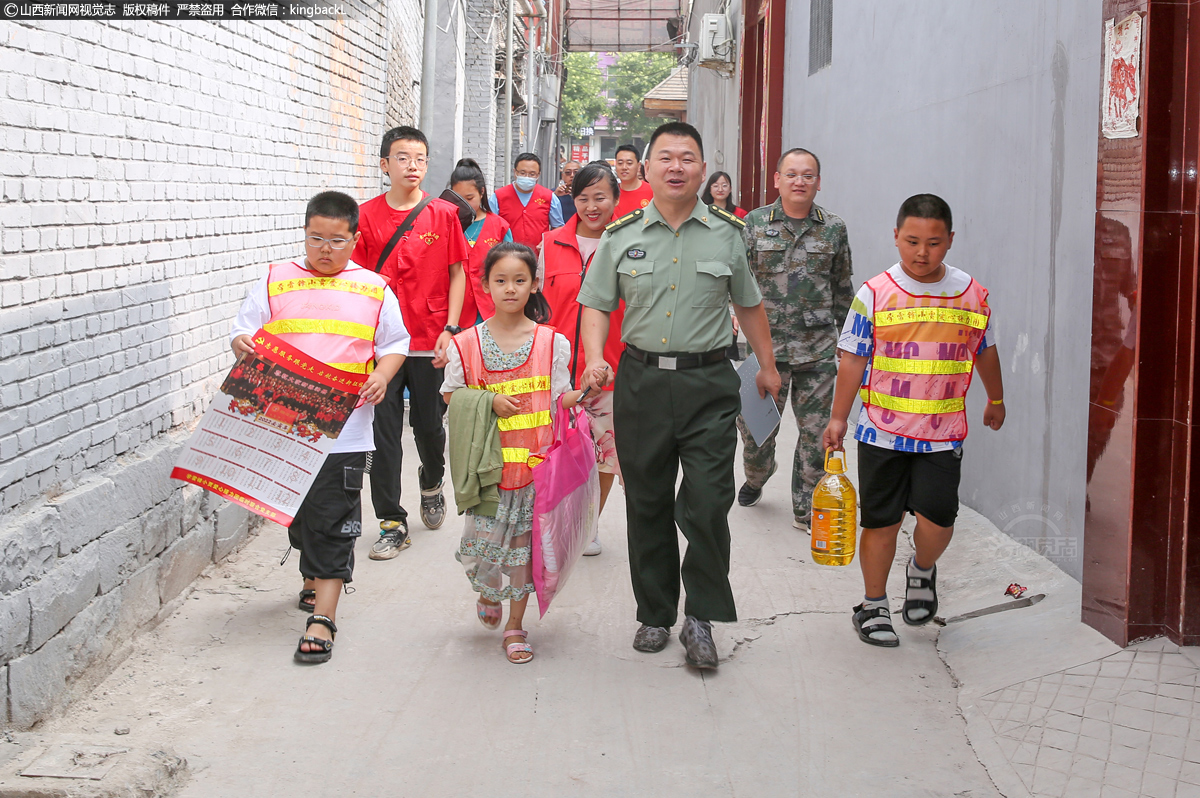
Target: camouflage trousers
[811,388]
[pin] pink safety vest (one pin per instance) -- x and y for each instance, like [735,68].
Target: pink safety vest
[924,354]
[332,319]
[528,434]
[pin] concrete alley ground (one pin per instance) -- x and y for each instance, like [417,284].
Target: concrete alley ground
[419,702]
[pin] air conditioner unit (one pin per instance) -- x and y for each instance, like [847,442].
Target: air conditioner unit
[715,43]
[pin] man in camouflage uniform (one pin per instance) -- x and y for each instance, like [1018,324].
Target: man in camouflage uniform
[800,255]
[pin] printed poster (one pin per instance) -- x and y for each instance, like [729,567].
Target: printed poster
[267,433]
[1122,77]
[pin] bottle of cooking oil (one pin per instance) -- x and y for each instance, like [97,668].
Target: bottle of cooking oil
[834,515]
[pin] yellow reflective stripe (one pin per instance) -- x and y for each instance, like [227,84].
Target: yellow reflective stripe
[325,284]
[350,329]
[900,365]
[514,387]
[967,318]
[899,404]
[524,421]
[356,368]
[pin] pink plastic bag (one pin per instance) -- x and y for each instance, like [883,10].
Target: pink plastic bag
[566,504]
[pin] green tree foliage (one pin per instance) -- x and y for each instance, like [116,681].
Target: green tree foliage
[629,79]
[583,99]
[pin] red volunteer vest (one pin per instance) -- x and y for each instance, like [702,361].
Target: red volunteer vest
[923,358]
[564,271]
[478,302]
[527,435]
[630,201]
[332,319]
[528,222]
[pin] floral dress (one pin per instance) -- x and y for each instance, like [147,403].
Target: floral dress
[493,547]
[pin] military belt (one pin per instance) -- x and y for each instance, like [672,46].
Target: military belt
[676,362]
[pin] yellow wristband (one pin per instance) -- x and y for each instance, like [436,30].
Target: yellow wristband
[996,401]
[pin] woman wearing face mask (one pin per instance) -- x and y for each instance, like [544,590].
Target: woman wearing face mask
[566,255]
[485,232]
[719,192]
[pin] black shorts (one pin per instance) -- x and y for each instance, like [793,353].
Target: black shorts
[330,519]
[891,482]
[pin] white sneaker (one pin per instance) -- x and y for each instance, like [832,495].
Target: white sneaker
[801,525]
[593,548]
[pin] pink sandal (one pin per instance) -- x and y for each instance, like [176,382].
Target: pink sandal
[490,615]
[518,648]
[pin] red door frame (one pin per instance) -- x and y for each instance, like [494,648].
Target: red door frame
[762,99]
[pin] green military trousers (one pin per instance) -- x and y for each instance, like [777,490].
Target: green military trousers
[665,419]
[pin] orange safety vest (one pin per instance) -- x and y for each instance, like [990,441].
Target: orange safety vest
[527,435]
[923,358]
[332,319]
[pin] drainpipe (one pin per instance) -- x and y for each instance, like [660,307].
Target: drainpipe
[429,66]
[508,115]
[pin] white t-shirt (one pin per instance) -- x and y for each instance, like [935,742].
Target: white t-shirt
[391,338]
[857,339]
[560,375]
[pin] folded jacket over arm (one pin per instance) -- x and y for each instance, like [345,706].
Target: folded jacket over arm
[476,459]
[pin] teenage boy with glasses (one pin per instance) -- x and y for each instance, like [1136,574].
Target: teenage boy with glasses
[423,264]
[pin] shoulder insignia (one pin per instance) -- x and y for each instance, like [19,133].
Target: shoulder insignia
[820,214]
[727,216]
[624,220]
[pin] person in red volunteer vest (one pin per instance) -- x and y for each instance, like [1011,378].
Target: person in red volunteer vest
[566,255]
[531,210]
[635,192]
[346,316]
[912,340]
[485,232]
[425,270]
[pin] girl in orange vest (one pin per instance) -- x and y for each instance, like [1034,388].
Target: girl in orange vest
[524,363]
[565,258]
[488,230]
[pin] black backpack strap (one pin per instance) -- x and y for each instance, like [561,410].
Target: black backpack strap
[401,229]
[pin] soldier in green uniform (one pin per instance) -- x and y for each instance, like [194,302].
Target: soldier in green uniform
[800,256]
[677,264]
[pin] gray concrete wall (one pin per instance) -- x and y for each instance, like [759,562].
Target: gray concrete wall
[713,104]
[994,106]
[150,171]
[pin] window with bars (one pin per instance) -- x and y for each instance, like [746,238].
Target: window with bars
[820,35]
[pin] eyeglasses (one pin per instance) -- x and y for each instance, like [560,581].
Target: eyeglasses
[792,177]
[316,242]
[404,160]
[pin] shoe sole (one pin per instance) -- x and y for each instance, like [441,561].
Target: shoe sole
[757,499]
[702,666]
[592,553]
[428,525]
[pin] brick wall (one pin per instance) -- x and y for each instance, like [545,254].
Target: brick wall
[484,31]
[149,171]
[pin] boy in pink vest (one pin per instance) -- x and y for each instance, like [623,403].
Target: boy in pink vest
[346,316]
[914,336]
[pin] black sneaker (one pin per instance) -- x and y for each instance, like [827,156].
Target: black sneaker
[433,504]
[749,496]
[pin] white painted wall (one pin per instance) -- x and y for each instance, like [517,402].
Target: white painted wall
[993,106]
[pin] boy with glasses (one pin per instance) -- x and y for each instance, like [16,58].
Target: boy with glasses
[530,210]
[416,242]
[346,316]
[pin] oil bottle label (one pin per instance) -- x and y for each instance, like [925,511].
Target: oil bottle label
[822,520]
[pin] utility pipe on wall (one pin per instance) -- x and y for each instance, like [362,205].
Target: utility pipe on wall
[508,114]
[429,66]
